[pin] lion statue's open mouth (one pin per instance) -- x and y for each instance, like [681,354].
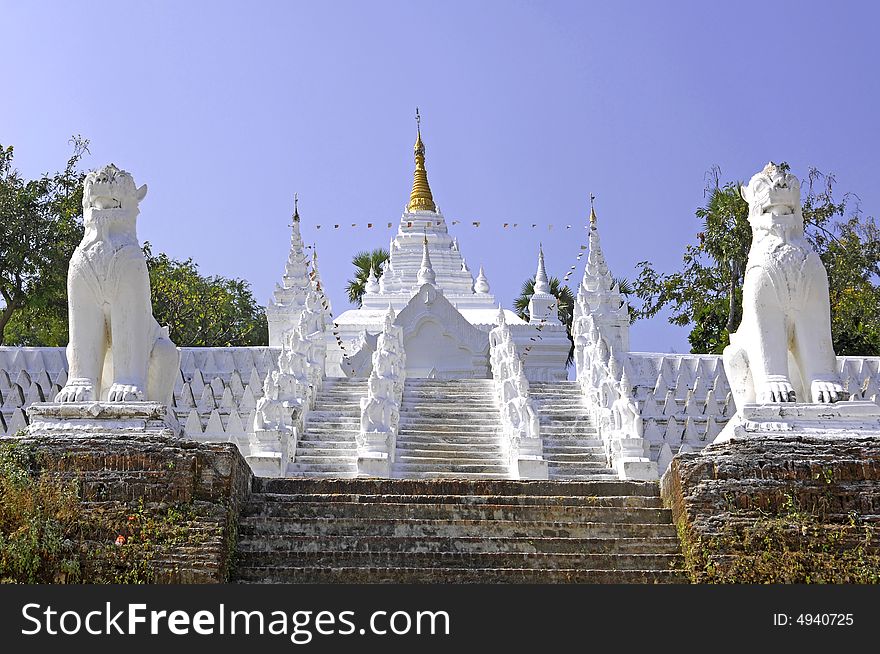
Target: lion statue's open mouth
[111,188]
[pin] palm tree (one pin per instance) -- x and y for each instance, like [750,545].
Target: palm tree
[364,261]
[565,305]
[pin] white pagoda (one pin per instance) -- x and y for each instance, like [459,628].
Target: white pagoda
[444,312]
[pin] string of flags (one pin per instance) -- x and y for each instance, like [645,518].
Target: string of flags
[416,224]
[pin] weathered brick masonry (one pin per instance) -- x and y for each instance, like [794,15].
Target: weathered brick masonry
[207,483]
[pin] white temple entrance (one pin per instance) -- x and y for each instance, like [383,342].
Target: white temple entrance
[439,342]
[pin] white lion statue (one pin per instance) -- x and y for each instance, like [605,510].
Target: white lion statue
[782,351]
[117,350]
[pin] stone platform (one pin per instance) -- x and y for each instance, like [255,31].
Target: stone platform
[787,507]
[193,489]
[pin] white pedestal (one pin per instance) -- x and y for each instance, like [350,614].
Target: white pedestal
[858,419]
[96,418]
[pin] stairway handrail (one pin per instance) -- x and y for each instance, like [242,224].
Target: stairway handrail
[519,419]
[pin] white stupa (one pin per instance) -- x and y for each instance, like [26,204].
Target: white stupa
[444,312]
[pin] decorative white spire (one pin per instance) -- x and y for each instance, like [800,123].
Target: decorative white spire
[464,266]
[289,296]
[454,245]
[501,319]
[598,295]
[372,285]
[426,272]
[482,284]
[542,284]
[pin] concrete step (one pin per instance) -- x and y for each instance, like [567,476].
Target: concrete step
[419,451]
[459,439]
[451,469]
[296,468]
[309,446]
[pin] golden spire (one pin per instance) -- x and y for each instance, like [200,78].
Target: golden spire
[592,210]
[420,198]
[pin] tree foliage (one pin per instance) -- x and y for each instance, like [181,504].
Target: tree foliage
[706,293]
[40,226]
[564,302]
[363,262]
[203,311]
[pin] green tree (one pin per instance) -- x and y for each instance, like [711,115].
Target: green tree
[363,262]
[564,304]
[203,311]
[706,292]
[40,226]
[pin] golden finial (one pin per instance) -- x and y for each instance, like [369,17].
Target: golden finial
[592,210]
[420,198]
[296,207]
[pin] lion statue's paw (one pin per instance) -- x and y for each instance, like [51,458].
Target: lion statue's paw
[77,389]
[826,392]
[125,393]
[777,391]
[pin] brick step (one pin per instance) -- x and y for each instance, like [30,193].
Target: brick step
[622,501]
[474,544]
[341,575]
[254,525]
[510,487]
[487,512]
[461,560]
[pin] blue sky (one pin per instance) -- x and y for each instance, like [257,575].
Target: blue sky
[225,109]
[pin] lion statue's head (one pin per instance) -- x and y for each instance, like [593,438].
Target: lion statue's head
[111,188]
[773,192]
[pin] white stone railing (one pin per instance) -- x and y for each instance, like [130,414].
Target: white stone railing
[380,409]
[606,385]
[519,420]
[289,392]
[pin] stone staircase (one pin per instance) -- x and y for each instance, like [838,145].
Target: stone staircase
[328,446]
[572,447]
[449,428]
[456,531]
